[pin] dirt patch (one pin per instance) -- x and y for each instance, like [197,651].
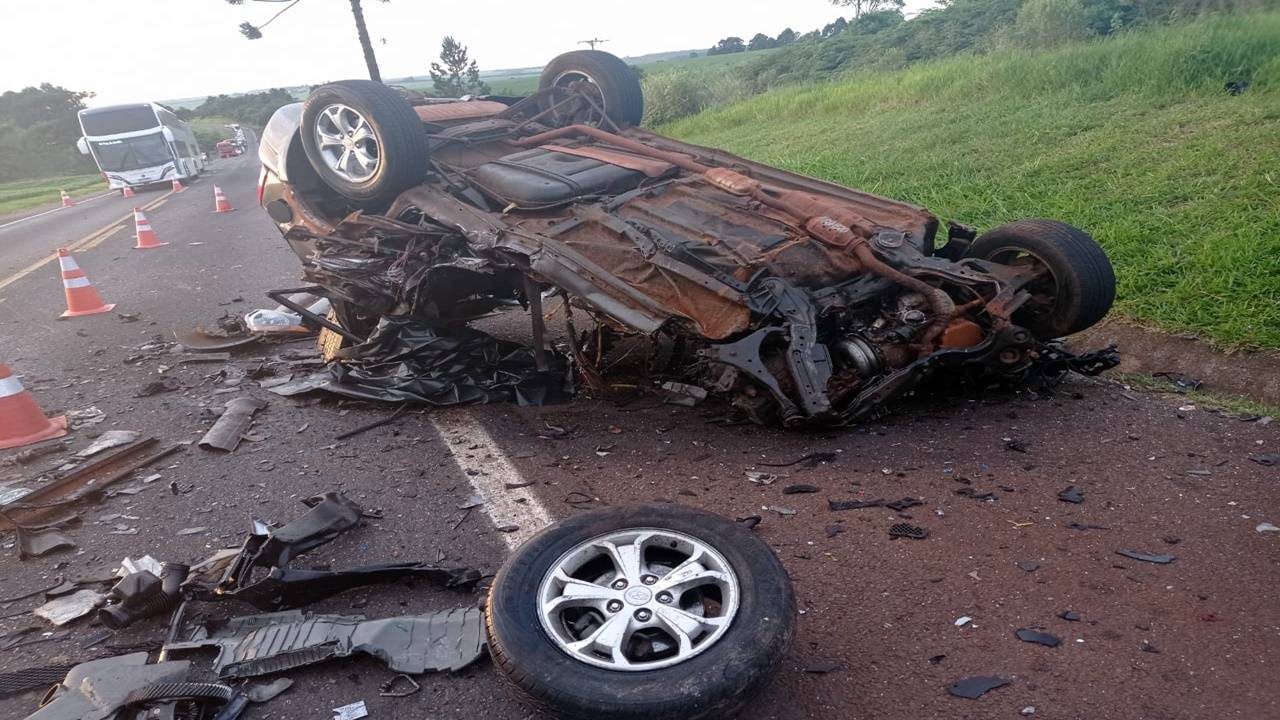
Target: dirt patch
[1255,375]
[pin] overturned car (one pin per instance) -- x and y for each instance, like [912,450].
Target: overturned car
[802,302]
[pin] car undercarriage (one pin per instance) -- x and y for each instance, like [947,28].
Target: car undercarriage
[802,302]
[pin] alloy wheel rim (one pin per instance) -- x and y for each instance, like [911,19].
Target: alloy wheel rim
[638,599]
[347,143]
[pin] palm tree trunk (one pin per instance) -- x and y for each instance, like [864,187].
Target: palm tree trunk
[367,46]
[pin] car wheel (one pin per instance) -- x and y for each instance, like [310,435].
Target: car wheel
[651,612]
[364,141]
[1078,285]
[602,80]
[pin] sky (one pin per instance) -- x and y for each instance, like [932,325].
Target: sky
[145,50]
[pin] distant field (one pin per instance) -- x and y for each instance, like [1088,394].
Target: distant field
[210,130]
[1132,138]
[23,194]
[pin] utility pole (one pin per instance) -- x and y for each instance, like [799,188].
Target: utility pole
[592,42]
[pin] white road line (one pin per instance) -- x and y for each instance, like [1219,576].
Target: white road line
[46,212]
[492,476]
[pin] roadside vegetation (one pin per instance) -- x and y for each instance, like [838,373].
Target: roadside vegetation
[23,194]
[1139,138]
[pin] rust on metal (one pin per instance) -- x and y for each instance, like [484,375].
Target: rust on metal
[83,482]
[648,166]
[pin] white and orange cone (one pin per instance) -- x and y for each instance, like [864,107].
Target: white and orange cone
[82,299]
[66,199]
[21,420]
[147,237]
[220,204]
[127,191]
[178,186]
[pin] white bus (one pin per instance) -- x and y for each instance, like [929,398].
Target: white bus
[139,144]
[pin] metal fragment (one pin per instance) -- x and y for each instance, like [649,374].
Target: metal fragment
[232,424]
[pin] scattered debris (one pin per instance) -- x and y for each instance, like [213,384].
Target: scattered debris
[158,387]
[1264,459]
[800,489]
[1181,383]
[903,504]
[972,493]
[822,667]
[1070,616]
[354,711]
[975,687]
[839,505]
[761,478]
[1027,565]
[811,459]
[908,531]
[387,689]
[1085,526]
[100,688]
[232,424]
[1147,557]
[83,418]
[1037,637]
[106,441]
[683,394]
[1071,494]
[37,543]
[750,521]
[962,621]
[474,501]
[1266,527]
[1015,445]
[261,644]
[264,692]
[1028,710]
[63,610]
[1147,647]
[193,530]
[781,510]
[373,425]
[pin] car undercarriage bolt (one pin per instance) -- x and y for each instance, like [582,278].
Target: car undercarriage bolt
[643,615]
[614,605]
[649,579]
[664,597]
[619,584]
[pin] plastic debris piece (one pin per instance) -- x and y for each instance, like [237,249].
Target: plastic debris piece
[761,478]
[975,687]
[1071,494]
[1085,526]
[822,667]
[839,505]
[232,424]
[1028,710]
[1264,459]
[1147,557]
[962,621]
[1266,527]
[146,563]
[683,394]
[1147,647]
[192,530]
[1037,637]
[1028,565]
[472,502]
[1070,616]
[262,692]
[780,509]
[36,543]
[63,610]
[354,711]
[388,688]
[908,531]
[108,440]
[903,504]
[800,489]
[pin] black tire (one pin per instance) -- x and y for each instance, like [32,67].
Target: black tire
[399,134]
[618,85]
[716,683]
[1084,283]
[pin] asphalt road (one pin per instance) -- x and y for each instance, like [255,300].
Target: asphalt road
[879,615]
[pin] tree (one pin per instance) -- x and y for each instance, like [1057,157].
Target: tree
[254,32]
[728,45]
[786,37]
[835,28]
[865,6]
[459,75]
[761,42]
[38,131]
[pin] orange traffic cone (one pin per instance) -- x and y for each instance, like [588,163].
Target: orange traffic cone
[127,191]
[82,299]
[220,203]
[21,420]
[177,185]
[66,199]
[147,238]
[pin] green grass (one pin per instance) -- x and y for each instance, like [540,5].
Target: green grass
[1225,402]
[23,194]
[210,130]
[1132,138]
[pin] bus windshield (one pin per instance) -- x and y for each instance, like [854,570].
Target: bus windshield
[132,153]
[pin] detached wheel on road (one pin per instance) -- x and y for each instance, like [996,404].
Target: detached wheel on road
[1077,284]
[600,81]
[647,612]
[364,140]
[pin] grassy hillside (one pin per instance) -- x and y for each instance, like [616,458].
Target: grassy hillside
[23,194]
[1133,138]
